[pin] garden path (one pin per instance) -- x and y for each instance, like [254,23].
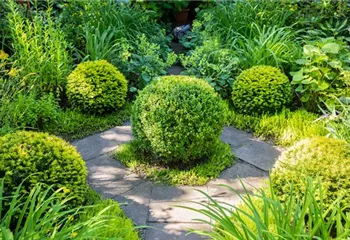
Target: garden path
[152,205]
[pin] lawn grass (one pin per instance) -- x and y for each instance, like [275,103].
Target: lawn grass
[72,125]
[141,162]
[284,128]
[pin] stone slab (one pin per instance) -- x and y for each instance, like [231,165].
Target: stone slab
[241,169]
[236,138]
[137,212]
[163,193]
[105,168]
[174,231]
[103,143]
[219,187]
[259,154]
[171,212]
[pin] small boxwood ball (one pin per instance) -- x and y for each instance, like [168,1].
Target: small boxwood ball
[324,159]
[261,89]
[35,157]
[179,118]
[96,87]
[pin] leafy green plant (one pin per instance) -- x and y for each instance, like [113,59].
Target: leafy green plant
[274,46]
[28,111]
[216,65]
[143,62]
[337,120]
[96,87]
[179,119]
[321,74]
[144,162]
[264,216]
[261,89]
[44,214]
[39,48]
[30,157]
[321,158]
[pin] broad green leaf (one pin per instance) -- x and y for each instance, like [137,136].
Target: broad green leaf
[309,49]
[305,98]
[302,61]
[323,86]
[331,48]
[335,64]
[297,76]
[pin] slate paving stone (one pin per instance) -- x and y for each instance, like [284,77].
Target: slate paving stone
[172,212]
[103,143]
[105,168]
[173,231]
[163,193]
[241,169]
[217,190]
[259,154]
[236,138]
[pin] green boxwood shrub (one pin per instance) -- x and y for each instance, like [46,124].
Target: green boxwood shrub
[179,118]
[96,87]
[261,89]
[35,157]
[324,159]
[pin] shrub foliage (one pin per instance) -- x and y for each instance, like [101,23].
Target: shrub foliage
[323,159]
[179,117]
[35,157]
[261,89]
[96,87]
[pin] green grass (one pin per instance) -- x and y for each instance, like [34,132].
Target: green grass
[134,157]
[284,128]
[72,125]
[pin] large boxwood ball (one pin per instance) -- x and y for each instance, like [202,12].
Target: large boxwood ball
[35,157]
[261,89]
[96,87]
[323,159]
[179,117]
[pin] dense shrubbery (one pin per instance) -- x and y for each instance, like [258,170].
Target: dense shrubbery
[261,89]
[325,160]
[39,157]
[96,87]
[179,118]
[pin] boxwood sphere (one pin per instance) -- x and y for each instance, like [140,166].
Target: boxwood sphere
[261,89]
[96,87]
[320,158]
[35,157]
[179,117]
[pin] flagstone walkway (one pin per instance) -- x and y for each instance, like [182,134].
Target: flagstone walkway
[152,205]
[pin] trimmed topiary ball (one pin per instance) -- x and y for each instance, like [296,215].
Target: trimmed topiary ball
[35,157]
[179,118]
[96,87]
[320,158]
[261,89]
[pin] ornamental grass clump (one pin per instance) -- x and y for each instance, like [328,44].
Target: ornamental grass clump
[179,119]
[324,159]
[28,158]
[261,89]
[96,87]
